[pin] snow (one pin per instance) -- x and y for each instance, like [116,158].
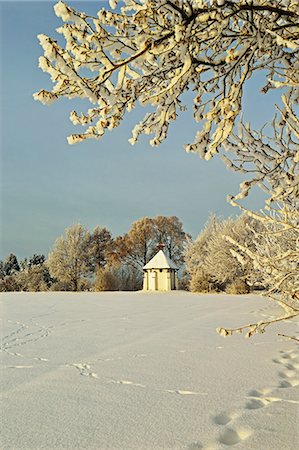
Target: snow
[160,261]
[145,371]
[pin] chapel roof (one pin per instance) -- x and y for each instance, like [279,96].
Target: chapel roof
[160,261]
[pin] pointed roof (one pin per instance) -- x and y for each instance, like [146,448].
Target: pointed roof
[160,261]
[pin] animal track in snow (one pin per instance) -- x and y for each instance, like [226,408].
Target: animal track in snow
[260,392]
[196,446]
[277,399]
[182,392]
[293,366]
[225,418]
[84,370]
[290,354]
[23,335]
[10,353]
[257,403]
[20,367]
[127,382]
[289,383]
[110,359]
[231,436]
[257,398]
[290,373]
[117,358]
[28,333]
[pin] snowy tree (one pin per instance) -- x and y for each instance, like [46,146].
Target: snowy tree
[36,260]
[150,52]
[2,273]
[34,278]
[195,256]
[34,274]
[11,265]
[67,261]
[212,261]
[272,162]
[221,261]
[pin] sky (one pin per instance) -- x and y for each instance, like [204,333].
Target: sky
[47,185]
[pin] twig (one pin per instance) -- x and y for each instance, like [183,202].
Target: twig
[289,337]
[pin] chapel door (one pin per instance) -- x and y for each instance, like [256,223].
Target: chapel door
[152,281]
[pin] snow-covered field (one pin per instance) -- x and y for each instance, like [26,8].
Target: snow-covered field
[144,371]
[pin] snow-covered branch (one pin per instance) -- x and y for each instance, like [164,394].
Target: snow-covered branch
[152,51]
[252,328]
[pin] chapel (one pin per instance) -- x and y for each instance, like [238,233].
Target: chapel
[160,273]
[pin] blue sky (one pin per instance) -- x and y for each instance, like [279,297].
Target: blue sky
[47,185]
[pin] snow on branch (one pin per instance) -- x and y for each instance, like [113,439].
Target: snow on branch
[152,51]
[252,328]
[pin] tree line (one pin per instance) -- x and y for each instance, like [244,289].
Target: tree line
[82,260]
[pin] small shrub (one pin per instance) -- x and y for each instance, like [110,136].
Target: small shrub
[9,284]
[59,286]
[184,283]
[106,280]
[201,282]
[237,287]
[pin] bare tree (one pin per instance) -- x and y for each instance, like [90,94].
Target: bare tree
[140,244]
[169,231]
[99,248]
[135,248]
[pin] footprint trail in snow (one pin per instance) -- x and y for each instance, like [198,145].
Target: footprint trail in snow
[231,435]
